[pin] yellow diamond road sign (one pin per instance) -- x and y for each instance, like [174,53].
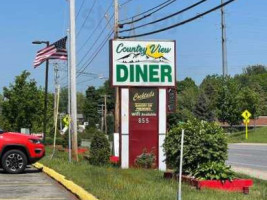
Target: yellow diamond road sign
[246,114]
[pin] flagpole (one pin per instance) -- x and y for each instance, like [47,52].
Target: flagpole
[73,80]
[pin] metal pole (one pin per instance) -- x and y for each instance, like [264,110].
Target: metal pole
[69,100]
[46,94]
[106,130]
[117,91]
[73,80]
[179,195]
[224,45]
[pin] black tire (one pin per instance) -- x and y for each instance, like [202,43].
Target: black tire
[14,161]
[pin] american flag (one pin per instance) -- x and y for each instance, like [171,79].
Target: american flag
[56,50]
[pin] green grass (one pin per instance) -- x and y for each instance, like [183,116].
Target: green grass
[259,135]
[109,183]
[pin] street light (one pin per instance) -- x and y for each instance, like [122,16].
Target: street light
[46,87]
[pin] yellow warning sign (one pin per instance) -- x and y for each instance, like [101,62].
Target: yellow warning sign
[246,114]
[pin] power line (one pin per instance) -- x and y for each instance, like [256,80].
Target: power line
[95,55]
[130,18]
[98,25]
[180,23]
[80,8]
[167,17]
[126,2]
[147,15]
[85,20]
[99,36]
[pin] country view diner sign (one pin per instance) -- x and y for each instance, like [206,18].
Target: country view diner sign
[143,63]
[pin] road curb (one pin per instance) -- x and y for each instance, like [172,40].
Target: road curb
[74,188]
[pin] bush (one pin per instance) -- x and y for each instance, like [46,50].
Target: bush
[89,132]
[214,171]
[145,160]
[203,143]
[100,150]
[48,141]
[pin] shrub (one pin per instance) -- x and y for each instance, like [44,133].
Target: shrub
[48,141]
[100,150]
[214,171]
[203,142]
[89,132]
[145,160]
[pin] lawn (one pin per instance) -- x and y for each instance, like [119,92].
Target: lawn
[258,135]
[110,183]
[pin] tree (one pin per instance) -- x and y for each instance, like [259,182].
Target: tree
[210,85]
[187,92]
[227,102]
[255,70]
[202,110]
[251,101]
[23,105]
[91,106]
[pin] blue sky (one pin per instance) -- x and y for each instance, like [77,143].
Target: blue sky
[198,43]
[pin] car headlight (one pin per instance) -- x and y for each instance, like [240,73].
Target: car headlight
[34,141]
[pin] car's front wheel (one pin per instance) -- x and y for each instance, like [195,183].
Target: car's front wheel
[14,161]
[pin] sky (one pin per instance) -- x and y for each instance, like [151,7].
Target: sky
[198,43]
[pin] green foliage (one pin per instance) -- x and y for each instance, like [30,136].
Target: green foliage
[255,70]
[227,102]
[49,141]
[100,150]
[145,160]
[203,110]
[250,100]
[64,140]
[23,105]
[214,171]
[91,106]
[89,132]
[203,142]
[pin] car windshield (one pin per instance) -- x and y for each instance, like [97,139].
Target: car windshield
[1,131]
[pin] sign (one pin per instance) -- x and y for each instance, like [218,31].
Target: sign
[246,115]
[143,121]
[143,102]
[143,63]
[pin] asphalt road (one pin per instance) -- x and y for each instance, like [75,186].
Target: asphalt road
[249,158]
[31,185]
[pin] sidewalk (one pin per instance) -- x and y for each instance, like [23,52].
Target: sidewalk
[260,174]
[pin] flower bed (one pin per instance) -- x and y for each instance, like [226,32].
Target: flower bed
[241,185]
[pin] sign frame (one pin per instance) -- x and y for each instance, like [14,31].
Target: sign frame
[111,66]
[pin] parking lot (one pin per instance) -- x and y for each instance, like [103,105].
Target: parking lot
[31,185]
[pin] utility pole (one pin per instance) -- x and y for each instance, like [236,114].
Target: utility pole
[56,105]
[224,40]
[105,114]
[73,81]
[102,116]
[69,99]
[117,90]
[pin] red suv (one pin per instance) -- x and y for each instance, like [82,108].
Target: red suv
[18,150]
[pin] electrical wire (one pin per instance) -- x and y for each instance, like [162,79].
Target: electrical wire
[85,20]
[99,36]
[126,2]
[98,25]
[95,55]
[180,23]
[147,15]
[80,8]
[164,18]
[130,18]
